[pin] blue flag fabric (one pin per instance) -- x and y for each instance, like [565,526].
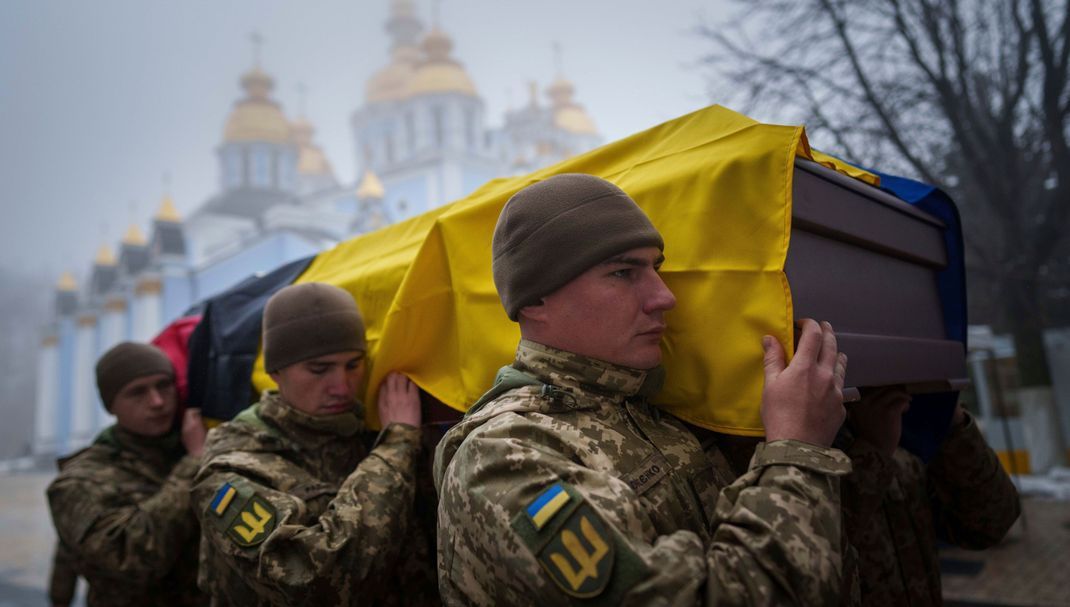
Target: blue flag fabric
[926,423]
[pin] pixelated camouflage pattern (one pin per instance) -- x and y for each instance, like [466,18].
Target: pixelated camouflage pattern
[691,537]
[896,509]
[121,507]
[63,579]
[345,532]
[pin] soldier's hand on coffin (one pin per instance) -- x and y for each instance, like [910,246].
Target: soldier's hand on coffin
[804,400]
[878,417]
[399,401]
[193,432]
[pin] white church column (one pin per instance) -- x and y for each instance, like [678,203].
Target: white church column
[110,331]
[84,389]
[112,323]
[147,308]
[44,439]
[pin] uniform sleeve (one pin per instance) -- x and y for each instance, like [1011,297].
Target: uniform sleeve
[776,532]
[63,579]
[118,540]
[974,500]
[342,552]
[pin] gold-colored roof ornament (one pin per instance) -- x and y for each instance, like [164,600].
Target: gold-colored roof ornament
[167,211]
[67,282]
[440,73]
[105,256]
[370,187]
[134,237]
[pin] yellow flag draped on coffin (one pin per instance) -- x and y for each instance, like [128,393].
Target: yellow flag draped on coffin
[715,183]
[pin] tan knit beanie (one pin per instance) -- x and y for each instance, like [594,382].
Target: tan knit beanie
[126,362]
[552,231]
[307,320]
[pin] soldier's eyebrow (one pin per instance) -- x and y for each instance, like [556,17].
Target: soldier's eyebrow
[633,261]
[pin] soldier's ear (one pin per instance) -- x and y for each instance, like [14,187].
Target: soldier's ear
[533,313]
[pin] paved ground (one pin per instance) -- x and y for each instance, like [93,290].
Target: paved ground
[27,538]
[1029,568]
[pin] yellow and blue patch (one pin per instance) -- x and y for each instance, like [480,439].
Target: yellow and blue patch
[547,505]
[573,544]
[223,497]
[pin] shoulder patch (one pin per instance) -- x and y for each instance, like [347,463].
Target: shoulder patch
[569,539]
[547,505]
[223,497]
[254,522]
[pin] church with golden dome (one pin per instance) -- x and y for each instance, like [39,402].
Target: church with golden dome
[421,138]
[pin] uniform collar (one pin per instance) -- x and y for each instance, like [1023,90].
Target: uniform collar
[305,427]
[154,449]
[583,373]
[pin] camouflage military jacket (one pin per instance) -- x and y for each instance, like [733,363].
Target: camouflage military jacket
[575,490]
[63,579]
[121,508]
[897,507]
[295,510]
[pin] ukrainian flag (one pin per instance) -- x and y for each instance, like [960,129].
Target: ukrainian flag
[222,499]
[547,505]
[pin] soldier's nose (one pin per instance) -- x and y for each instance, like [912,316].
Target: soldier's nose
[660,298]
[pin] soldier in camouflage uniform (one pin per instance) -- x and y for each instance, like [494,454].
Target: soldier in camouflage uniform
[563,485]
[121,506]
[896,506]
[297,506]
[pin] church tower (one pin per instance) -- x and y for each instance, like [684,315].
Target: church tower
[422,127]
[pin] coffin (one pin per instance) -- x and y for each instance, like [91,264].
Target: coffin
[867,262]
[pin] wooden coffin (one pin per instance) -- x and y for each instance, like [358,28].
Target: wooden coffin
[867,262]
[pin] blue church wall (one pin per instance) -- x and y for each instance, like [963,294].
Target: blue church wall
[474,178]
[267,254]
[346,204]
[65,369]
[98,349]
[410,190]
[176,298]
[128,318]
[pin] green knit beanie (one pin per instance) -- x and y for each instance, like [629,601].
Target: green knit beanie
[126,362]
[552,231]
[307,320]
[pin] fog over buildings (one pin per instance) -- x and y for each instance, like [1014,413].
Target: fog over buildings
[100,100]
[120,114]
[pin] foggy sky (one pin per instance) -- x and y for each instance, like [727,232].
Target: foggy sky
[99,99]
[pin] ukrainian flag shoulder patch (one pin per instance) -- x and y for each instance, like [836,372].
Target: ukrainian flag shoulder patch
[223,498]
[571,542]
[547,504]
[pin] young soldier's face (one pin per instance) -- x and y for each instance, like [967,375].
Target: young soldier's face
[146,406]
[323,385]
[613,311]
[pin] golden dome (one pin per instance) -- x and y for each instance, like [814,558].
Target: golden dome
[370,187]
[574,119]
[569,115]
[134,236]
[440,73]
[257,117]
[560,91]
[167,211]
[392,82]
[104,257]
[67,282]
[310,158]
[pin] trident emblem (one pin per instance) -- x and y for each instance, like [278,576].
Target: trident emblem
[587,561]
[254,523]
